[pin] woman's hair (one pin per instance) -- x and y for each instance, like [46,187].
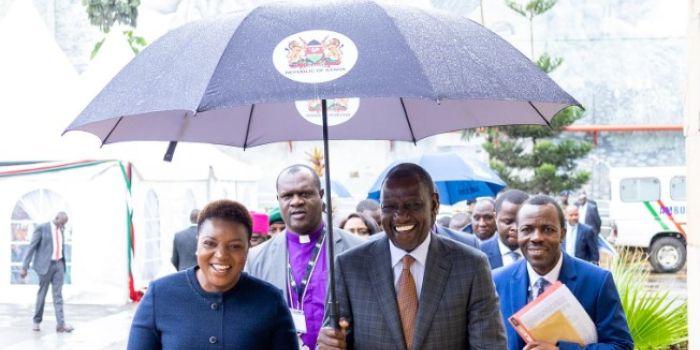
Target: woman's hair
[228,210]
[369,222]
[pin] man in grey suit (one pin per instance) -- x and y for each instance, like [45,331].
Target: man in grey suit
[414,289]
[185,245]
[47,254]
[295,260]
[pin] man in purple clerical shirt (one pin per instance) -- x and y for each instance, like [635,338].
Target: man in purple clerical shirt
[296,261]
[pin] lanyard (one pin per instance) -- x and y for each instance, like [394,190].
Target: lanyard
[300,289]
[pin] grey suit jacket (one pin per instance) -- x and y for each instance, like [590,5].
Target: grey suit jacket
[41,249]
[268,261]
[458,306]
[184,249]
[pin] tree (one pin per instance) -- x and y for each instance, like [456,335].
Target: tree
[105,13]
[535,158]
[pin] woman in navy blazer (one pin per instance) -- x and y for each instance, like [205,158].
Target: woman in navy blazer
[214,305]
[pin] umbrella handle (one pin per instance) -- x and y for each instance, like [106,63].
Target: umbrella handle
[332,303]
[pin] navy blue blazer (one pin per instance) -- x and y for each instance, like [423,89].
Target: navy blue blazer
[490,248]
[461,237]
[586,247]
[176,313]
[592,286]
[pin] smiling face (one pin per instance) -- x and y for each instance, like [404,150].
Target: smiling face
[300,201]
[540,234]
[484,219]
[409,210]
[222,249]
[506,224]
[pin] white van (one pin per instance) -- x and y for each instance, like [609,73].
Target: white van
[648,207]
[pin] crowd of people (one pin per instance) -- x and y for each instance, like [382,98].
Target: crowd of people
[405,279]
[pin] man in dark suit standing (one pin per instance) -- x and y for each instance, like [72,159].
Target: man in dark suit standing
[502,249]
[413,289]
[541,230]
[588,210]
[185,245]
[47,254]
[581,241]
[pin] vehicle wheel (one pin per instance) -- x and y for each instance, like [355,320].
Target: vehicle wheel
[667,254]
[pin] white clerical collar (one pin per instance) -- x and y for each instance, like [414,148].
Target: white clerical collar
[505,250]
[420,253]
[551,276]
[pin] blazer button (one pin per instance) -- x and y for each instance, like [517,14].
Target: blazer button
[212,340]
[215,306]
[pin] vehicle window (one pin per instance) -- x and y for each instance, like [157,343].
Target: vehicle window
[678,188]
[640,189]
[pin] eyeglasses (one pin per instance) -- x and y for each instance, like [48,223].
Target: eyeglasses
[392,208]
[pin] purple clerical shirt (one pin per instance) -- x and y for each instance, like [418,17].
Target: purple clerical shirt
[315,298]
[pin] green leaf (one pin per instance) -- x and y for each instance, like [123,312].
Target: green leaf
[96,48]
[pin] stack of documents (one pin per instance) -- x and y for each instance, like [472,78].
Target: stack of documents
[555,316]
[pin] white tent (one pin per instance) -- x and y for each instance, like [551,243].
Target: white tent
[40,93]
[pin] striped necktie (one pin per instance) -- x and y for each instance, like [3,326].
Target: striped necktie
[407,298]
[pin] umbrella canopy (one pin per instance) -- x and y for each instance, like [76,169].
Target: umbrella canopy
[332,70]
[388,72]
[457,179]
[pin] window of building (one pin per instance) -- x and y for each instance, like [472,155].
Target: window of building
[678,188]
[640,189]
[151,234]
[30,211]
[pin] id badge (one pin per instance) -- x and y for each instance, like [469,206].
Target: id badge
[299,320]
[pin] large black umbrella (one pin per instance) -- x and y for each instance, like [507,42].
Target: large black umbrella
[310,71]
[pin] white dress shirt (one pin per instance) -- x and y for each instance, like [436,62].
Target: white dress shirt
[551,277]
[420,254]
[506,255]
[57,241]
[571,236]
[582,211]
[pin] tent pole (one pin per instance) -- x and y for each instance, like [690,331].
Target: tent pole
[332,300]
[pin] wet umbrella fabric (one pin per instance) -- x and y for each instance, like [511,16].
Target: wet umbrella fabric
[381,72]
[456,178]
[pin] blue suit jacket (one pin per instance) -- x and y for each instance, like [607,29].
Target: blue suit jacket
[467,239]
[490,248]
[586,247]
[592,286]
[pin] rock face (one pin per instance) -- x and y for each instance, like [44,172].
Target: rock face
[624,61]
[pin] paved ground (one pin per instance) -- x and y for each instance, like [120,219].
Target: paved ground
[107,327]
[96,327]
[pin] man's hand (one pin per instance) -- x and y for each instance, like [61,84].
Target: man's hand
[333,339]
[23,273]
[540,345]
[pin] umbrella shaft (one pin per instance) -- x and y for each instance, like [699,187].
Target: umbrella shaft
[332,300]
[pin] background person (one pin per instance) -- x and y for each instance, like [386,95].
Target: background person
[581,241]
[459,222]
[46,252]
[484,218]
[276,222]
[359,224]
[371,208]
[588,211]
[261,228]
[502,249]
[214,304]
[185,245]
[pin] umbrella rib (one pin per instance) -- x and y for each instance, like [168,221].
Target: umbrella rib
[247,130]
[540,114]
[410,128]
[111,131]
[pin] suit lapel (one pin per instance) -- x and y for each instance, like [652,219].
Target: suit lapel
[381,277]
[568,273]
[278,262]
[437,272]
[518,298]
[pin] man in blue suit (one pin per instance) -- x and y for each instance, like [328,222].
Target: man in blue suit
[581,241]
[541,230]
[502,249]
